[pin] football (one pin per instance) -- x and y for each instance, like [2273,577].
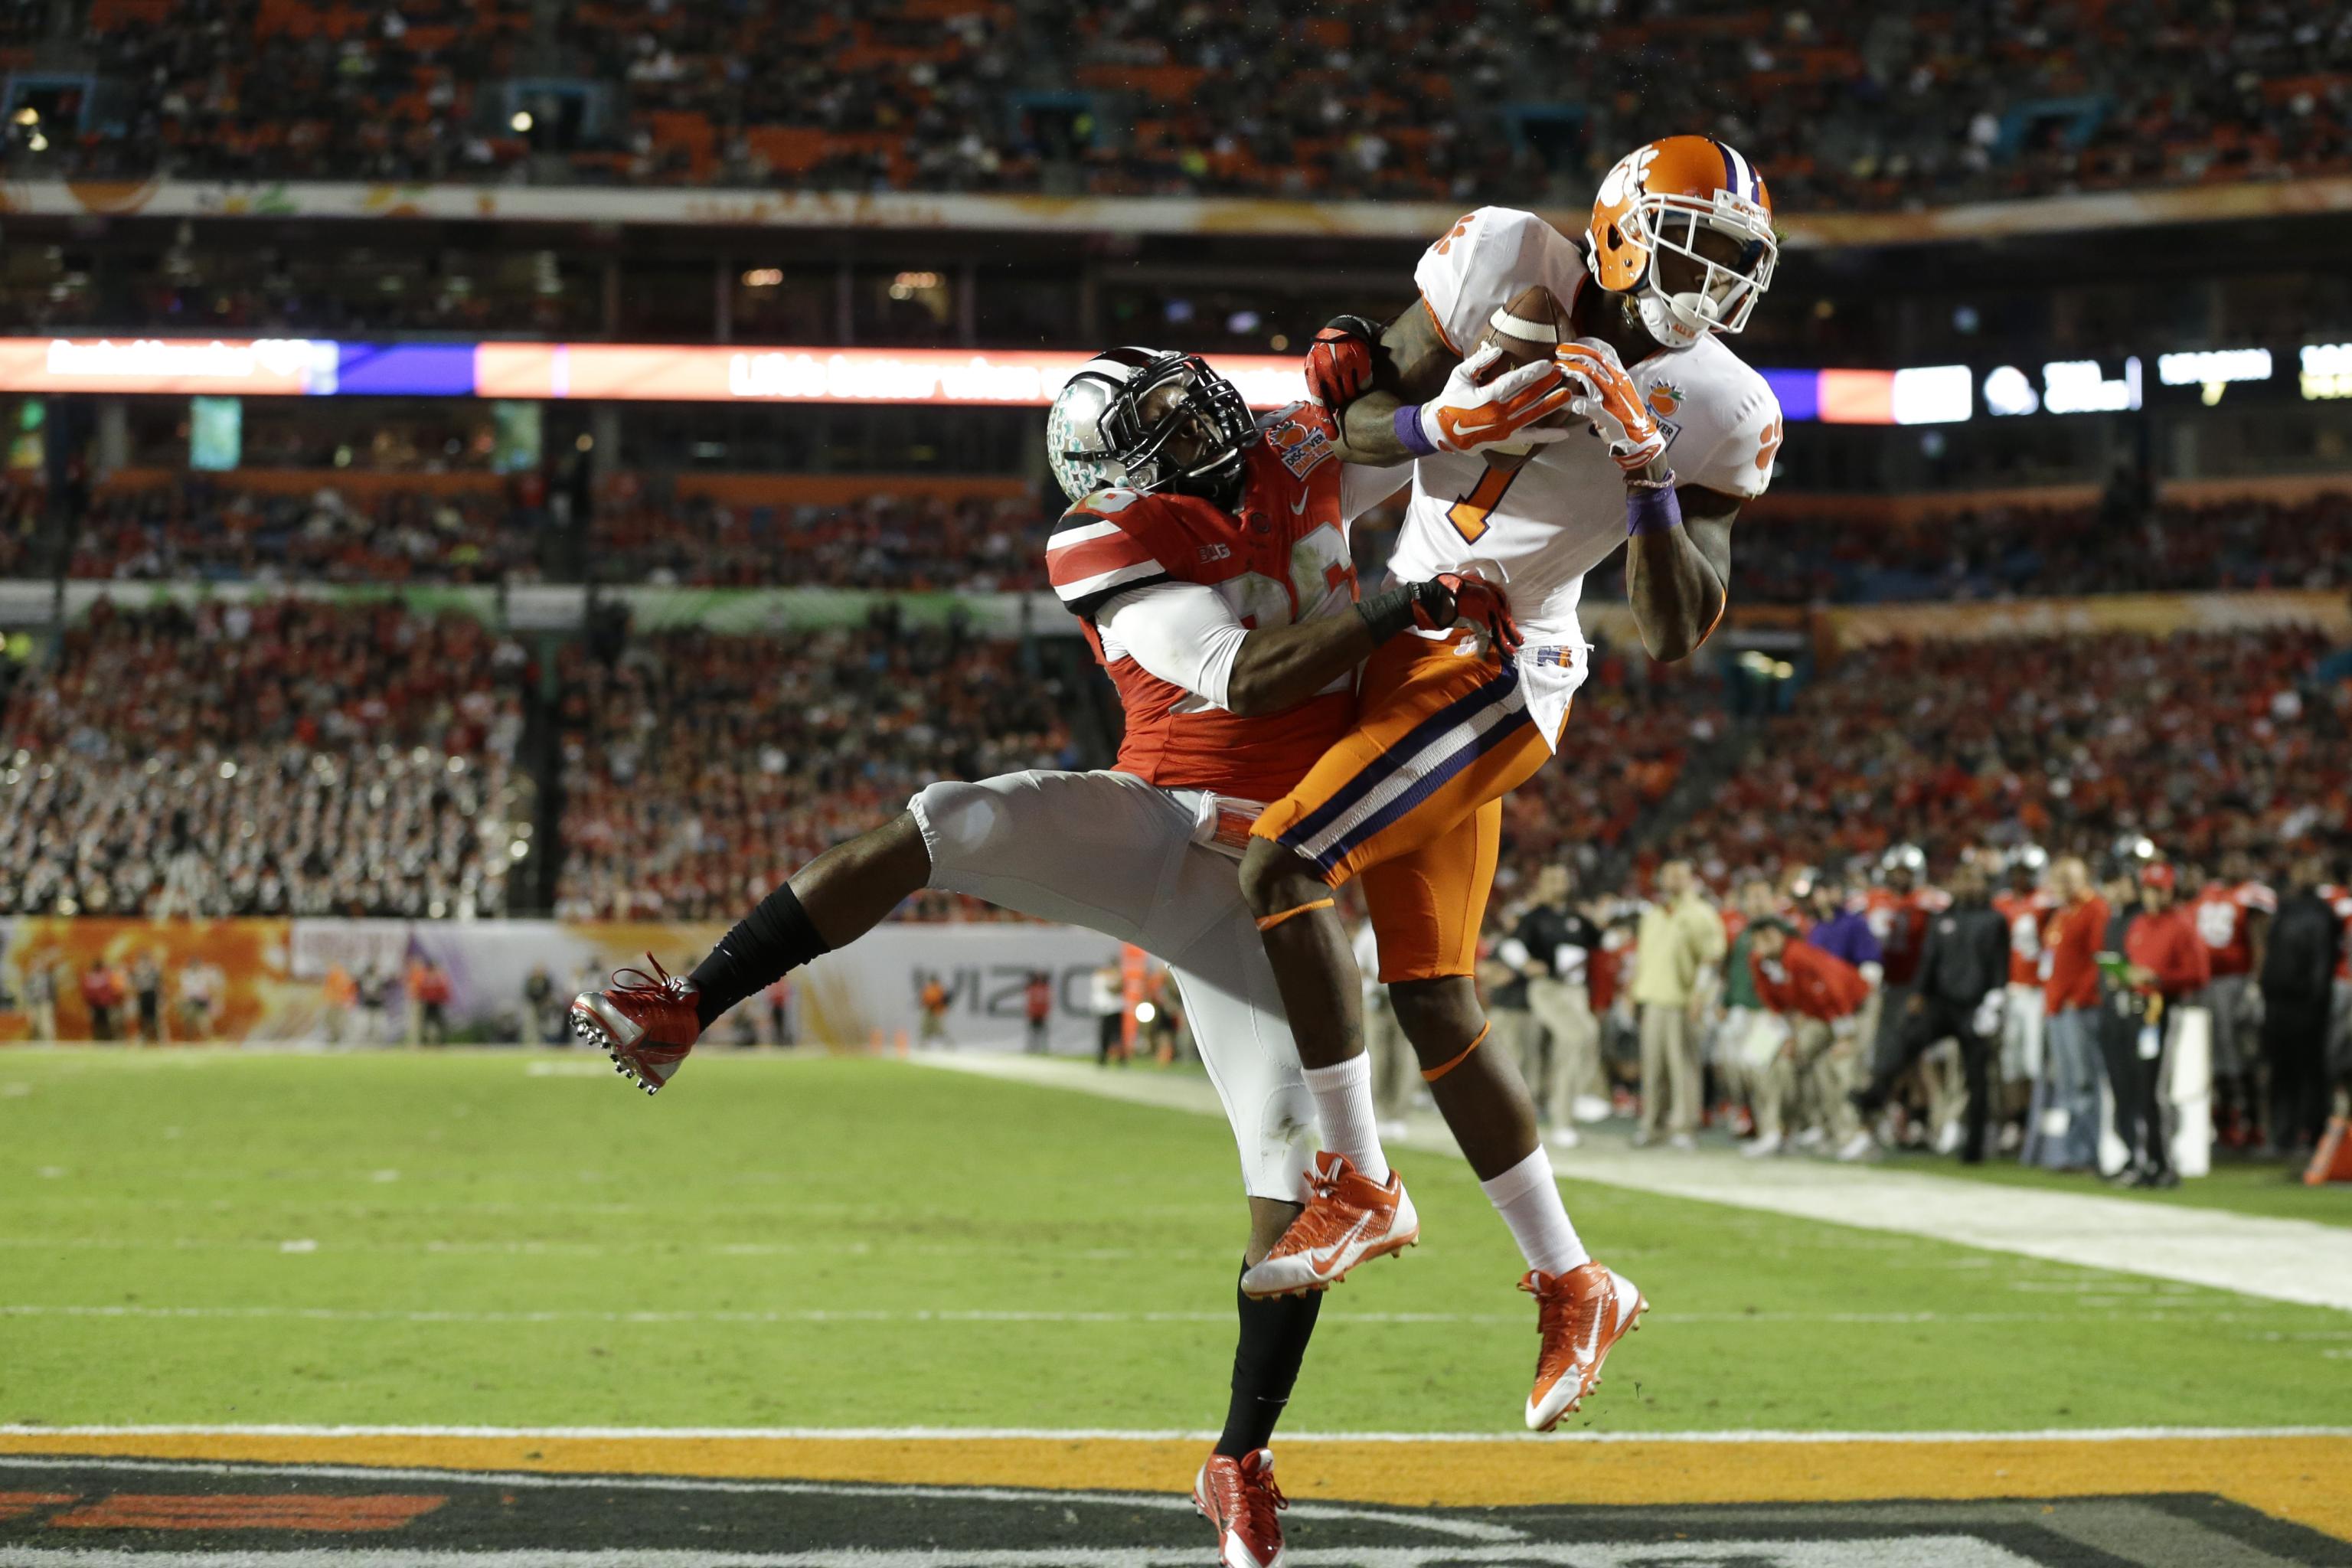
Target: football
[1527,330]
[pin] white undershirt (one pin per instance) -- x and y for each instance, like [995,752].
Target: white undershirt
[1187,635]
[1182,633]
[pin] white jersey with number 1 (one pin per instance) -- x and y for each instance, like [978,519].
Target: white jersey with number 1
[1562,513]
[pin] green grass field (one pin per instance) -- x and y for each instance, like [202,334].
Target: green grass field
[208,1237]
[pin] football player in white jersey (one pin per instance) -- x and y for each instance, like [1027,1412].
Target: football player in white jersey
[1677,251]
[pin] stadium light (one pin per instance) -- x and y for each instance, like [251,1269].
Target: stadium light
[2327,371]
[521,121]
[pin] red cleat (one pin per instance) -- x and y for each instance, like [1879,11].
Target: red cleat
[1240,1498]
[1580,1314]
[646,1023]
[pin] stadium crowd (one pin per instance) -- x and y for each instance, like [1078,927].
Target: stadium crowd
[2202,741]
[641,532]
[701,769]
[885,541]
[279,757]
[201,528]
[1848,105]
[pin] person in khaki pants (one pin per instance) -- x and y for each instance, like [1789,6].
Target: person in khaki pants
[1818,995]
[1678,944]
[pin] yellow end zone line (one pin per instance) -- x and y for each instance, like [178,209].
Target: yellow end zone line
[2304,1477]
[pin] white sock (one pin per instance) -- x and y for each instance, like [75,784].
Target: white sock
[1343,1109]
[1528,1200]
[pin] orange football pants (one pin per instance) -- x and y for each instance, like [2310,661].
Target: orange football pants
[1411,799]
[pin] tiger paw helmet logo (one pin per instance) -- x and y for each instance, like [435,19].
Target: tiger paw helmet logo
[1629,178]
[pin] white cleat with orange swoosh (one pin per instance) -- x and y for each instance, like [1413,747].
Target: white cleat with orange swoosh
[1581,1315]
[1349,1219]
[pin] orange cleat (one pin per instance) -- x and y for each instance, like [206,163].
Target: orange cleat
[1349,1219]
[1240,1498]
[1580,1314]
[645,1025]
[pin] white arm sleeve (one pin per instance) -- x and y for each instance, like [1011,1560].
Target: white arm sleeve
[1185,633]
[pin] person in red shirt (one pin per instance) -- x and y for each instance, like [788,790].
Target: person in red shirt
[1818,995]
[2063,1127]
[2167,965]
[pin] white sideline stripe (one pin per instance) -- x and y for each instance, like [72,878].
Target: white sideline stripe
[2299,1261]
[1111,1434]
[2185,1312]
[1463,1529]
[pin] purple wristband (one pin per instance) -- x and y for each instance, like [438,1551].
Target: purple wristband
[1409,433]
[1652,508]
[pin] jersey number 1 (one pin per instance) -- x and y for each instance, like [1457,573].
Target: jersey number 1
[1468,515]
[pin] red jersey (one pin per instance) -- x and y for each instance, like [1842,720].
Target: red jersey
[1899,921]
[1809,981]
[2028,915]
[2076,934]
[2225,917]
[1282,557]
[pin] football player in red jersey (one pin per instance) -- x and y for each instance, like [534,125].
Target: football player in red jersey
[2232,913]
[1897,910]
[1206,554]
[2027,906]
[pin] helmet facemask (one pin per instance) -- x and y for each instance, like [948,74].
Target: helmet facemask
[1717,295]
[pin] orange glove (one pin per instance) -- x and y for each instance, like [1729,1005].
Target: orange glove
[1607,397]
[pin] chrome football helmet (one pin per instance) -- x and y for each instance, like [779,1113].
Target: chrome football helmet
[1100,432]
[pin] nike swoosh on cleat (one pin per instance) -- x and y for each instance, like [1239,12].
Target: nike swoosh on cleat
[1327,1258]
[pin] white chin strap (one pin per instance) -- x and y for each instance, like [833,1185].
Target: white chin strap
[1673,319]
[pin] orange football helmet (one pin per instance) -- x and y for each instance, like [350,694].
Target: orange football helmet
[1656,199]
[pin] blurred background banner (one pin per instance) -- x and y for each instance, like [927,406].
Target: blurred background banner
[278,982]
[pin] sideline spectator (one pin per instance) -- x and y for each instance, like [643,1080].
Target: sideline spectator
[2166,965]
[1818,997]
[1679,943]
[2062,1128]
[339,993]
[1963,967]
[146,983]
[2298,963]
[1109,995]
[933,1000]
[101,992]
[1037,1009]
[376,999]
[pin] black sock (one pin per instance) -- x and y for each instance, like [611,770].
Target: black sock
[1274,1332]
[766,944]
